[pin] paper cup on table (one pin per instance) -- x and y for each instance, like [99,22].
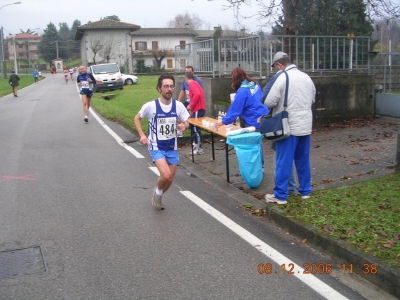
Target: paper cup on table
[207,123]
[203,122]
[232,96]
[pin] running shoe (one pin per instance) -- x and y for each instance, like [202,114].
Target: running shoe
[156,201]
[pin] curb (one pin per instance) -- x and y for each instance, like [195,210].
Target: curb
[386,278]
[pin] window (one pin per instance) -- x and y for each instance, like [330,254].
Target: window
[182,44]
[169,63]
[154,45]
[141,46]
[182,63]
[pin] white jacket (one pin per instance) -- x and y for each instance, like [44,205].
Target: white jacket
[300,99]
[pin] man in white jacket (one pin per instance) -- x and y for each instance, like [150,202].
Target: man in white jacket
[301,96]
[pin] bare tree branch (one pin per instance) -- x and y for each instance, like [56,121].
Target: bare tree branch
[96,45]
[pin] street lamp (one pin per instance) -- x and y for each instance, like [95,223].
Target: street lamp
[2,46]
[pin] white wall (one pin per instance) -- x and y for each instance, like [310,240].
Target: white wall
[120,41]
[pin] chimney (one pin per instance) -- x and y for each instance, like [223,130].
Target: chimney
[217,27]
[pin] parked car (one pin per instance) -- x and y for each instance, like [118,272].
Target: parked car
[108,77]
[129,79]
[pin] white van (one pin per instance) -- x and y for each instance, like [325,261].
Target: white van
[108,77]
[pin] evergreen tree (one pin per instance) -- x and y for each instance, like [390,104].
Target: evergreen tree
[74,46]
[330,17]
[47,46]
[113,17]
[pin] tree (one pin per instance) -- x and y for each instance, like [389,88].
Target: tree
[270,11]
[27,31]
[113,17]
[159,55]
[96,45]
[186,21]
[329,17]
[108,51]
[74,47]
[47,46]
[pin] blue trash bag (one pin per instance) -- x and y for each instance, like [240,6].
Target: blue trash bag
[247,146]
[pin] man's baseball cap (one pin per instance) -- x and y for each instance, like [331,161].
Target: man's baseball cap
[278,55]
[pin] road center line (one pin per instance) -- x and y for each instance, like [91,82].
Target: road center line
[309,279]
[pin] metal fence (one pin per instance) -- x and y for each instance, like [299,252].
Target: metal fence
[386,68]
[319,54]
[242,52]
[200,55]
[221,58]
[322,53]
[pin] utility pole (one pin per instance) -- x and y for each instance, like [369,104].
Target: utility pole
[3,56]
[57,48]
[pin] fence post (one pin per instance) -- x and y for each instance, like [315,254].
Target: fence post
[398,153]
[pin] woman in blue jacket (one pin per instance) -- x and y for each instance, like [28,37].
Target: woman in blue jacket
[246,103]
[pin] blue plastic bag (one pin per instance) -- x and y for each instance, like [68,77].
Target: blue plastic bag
[247,148]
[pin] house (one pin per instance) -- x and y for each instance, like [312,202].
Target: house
[157,45]
[129,45]
[106,41]
[26,46]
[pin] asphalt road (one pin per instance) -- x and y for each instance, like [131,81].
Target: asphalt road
[74,190]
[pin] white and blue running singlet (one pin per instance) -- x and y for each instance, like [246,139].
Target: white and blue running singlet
[162,128]
[86,86]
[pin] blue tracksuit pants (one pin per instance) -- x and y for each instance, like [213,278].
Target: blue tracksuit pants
[295,148]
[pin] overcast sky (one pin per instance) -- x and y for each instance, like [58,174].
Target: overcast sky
[31,14]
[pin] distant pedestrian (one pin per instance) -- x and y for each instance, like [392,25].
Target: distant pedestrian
[86,83]
[14,82]
[71,73]
[66,75]
[36,76]
[166,116]
[301,96]
[40,75]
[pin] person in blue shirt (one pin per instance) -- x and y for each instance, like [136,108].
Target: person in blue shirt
[246,103]
[36,76]
[86,82]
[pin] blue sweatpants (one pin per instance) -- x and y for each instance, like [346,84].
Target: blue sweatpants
[196,131]
[295,148]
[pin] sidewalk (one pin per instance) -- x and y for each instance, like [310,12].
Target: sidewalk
[340,155]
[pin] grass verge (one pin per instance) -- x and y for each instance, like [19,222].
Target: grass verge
[365,215]
[5,87]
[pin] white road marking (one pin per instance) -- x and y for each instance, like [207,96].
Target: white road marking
[309,279]
[155,170]
[112,133]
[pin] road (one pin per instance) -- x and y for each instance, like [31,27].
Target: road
[80,198]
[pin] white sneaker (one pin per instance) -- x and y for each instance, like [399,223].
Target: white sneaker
[86,119]
[271,198]
[196,151]
[156,201]
[179,134]
[305,197]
